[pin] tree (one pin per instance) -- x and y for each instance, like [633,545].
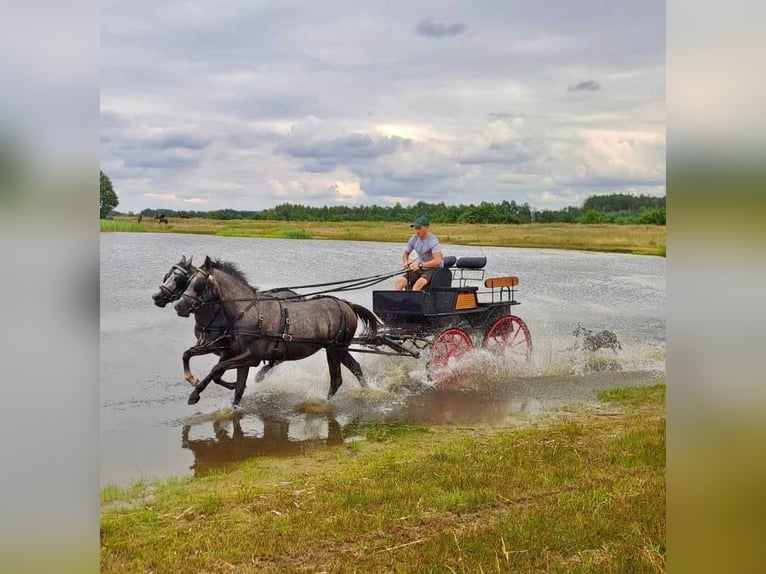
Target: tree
[108,196]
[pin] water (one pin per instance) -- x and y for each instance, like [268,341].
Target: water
[148,430]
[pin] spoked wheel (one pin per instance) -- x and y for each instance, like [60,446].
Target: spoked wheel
[444,368]
[509,336]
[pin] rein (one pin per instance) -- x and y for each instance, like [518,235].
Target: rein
[347,284]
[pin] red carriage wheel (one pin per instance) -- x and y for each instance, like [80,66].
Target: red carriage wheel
[509,335]
[446,350]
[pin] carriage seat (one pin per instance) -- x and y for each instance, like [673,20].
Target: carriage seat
[442,277]
[471,262]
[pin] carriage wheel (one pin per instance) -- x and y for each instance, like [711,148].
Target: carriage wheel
[446,350]
[510,336]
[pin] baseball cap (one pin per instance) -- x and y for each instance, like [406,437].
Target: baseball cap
[420,222]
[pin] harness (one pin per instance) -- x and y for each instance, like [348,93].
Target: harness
[282,337]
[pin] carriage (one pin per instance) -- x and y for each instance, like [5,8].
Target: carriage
[459,310]
[451,317]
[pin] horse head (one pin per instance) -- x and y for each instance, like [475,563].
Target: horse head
[199,291]
[174,283]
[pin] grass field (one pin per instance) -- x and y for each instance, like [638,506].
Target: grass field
[582,491]
[638,239]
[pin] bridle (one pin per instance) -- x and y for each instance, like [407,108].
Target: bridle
[179,271]
[196,300]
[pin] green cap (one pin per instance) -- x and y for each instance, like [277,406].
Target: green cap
[420,222]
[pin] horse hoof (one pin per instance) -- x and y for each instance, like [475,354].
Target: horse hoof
[193,399]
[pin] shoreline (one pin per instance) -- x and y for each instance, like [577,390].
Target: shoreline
[607,238]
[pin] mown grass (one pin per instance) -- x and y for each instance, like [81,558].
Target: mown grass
[581,492]
[639,239]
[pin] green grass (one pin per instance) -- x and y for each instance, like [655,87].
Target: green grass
[638,239]
[578,492]
[120,225]
[297,234]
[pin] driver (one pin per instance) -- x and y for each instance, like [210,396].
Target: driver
[421,269]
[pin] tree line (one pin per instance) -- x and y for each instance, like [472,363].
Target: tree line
[616,208]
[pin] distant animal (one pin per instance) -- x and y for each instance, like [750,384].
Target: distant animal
[592,342]
[273,329]
[162,219]
[140,217]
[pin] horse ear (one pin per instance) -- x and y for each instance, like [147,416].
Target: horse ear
[207,262]
[183,259]
[190,259]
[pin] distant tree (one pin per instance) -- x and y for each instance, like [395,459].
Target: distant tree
[591,216]
[108,196]
[652,217]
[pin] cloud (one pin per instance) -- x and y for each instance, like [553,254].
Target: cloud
[260,104]
[431,29]
[589,86]
[310,141]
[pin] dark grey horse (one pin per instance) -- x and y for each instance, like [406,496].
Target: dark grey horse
[210,323]
[261,328]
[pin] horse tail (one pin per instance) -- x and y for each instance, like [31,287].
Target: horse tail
[371,322]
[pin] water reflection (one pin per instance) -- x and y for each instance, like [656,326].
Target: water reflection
[463,407]
[219,440]
[230,443]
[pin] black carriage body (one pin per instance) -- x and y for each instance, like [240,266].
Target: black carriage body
[450,318]
[431,311]
[448,301]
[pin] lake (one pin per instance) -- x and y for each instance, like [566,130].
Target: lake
[148,430]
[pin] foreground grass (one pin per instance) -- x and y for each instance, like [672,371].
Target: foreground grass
[583,492]
[639,239]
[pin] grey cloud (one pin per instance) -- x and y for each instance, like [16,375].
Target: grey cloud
[589,86]
[146,158]
[180,140]
[431,29]
[325,155]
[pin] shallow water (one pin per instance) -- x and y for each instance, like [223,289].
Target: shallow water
[148,430]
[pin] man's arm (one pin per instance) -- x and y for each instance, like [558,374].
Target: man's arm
[435,262]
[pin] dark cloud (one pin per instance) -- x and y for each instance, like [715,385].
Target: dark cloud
[589,86]
[148,158]
[431,29]
[325,155]
[181,140]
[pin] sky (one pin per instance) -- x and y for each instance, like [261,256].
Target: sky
[246,105]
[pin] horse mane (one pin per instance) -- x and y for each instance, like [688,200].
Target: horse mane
[231,269]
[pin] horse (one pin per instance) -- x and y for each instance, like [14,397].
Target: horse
[210,323]
[261,328]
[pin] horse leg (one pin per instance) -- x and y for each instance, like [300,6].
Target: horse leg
[336,380]
[188,376]
[265,369]
[353,365]
[241,384]
[194,352]
[225,384]
[241,360]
